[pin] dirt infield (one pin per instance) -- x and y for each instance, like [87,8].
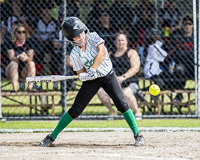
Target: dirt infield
[101,146]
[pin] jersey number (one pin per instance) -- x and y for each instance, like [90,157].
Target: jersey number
[88,64]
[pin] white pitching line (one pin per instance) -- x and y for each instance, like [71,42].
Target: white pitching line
[142,129]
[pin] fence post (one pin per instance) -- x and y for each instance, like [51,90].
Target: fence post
[195,54]
[0,108]
[1,116]
[63,83]
[0,100]
[198,64]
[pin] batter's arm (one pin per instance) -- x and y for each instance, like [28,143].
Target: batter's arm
[100,56]
[81,71]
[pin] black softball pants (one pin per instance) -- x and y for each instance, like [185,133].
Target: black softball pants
[88,89]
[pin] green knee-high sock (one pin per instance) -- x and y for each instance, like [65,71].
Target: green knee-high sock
[64,121]
[130,119]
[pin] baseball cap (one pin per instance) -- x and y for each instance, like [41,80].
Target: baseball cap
[187,18]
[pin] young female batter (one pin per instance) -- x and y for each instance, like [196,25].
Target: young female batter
[91,61]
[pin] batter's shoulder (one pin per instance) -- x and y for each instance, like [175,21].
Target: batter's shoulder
[93,35]
[95,39]
[74,52]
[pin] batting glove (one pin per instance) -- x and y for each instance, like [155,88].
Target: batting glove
[93,71]
[86,76]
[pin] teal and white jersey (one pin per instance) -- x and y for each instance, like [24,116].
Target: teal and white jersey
[85,59]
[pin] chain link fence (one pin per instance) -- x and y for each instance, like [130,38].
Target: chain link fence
[161,31]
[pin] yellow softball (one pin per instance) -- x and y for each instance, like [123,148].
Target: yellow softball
[154,90]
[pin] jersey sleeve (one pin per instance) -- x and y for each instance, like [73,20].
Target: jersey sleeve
[95,39]
[75,62]
[156,53]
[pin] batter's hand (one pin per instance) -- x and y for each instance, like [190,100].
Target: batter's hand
[86,77]
[93,71]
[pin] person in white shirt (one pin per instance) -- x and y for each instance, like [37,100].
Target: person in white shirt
[166,78]
[155,55]
[90,60]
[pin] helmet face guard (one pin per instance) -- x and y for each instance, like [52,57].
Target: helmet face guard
[74,43]
[72,27]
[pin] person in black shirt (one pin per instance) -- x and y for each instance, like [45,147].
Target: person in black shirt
[182,53]
[104,30]
[126,64]
[20,53]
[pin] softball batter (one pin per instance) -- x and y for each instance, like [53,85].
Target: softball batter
[91,61]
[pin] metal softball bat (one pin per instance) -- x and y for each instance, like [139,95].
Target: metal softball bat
[49,78]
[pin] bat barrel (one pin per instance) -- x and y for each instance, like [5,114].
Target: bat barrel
[49,78]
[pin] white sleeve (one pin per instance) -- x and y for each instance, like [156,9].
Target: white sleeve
[157,54]
[160,53]
[96,39]
[76,64]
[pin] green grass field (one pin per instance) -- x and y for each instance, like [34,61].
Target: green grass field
[101,124]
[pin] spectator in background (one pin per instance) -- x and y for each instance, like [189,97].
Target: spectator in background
[182,51]
[17,15]
[145,15]
[99,6]
[144,20]
[104,30]
[102,24]
[31,11]
[47,27]
[121,15]
[155,55]
[6,11]
[165,78]
[46,30]
[126,64]
[170,17]
[5,40]
[21,53]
